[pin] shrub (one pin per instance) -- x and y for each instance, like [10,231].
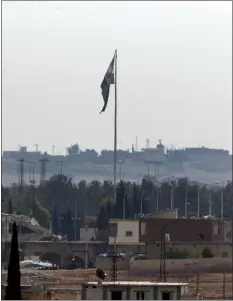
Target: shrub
[175,253]
[207,253]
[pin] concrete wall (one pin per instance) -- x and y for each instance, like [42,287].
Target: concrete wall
[87,234]
[125,227]
[105,263]
[151,267]
[195,250]
[166,214]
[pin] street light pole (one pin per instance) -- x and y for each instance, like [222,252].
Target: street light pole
[141,203]
[125,195]
[210,202]
[172,193]
[120,162]
[86,247]
[157,197]
[198,201]
[222,195]
[186,200]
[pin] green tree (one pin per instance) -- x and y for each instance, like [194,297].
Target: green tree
[207,253]
[10,207]
[42,215]
[13,289]
[177,253]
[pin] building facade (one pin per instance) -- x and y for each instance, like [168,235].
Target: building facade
[184,230]
[124,231]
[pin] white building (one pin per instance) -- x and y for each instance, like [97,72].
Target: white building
[133,290]
[124,231]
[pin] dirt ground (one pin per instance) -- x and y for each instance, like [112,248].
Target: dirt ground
[209,285]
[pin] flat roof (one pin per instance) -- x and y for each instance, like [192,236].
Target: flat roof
[137,283]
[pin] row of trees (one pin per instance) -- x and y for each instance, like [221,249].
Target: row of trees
[59,202]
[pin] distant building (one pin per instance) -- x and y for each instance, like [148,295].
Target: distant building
[124,231]
[191,234]
[184,230]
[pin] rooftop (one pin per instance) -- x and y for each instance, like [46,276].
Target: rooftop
[137,283]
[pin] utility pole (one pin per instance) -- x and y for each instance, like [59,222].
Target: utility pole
[21,174]
[61,167]
[198,201]
[33,182]
[37,147]
[186,201]
[210,202]
[222,198]
[43,163]
[157,164]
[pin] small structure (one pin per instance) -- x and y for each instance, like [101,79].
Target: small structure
[133,290]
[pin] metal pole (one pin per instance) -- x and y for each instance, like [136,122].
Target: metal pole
[171,196]
[141,203]
[86,248]
[222,192]
[120,171]
[164,258]
[75,221]
[198,201]
[210,202]
[186,201]
[124,207]
[115,126]
[157,181]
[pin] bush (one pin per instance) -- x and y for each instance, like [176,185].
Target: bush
[207,253]
[175,253]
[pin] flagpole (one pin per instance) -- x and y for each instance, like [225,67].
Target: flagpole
[115,128]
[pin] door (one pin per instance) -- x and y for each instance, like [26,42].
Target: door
[166,296]
[116,295]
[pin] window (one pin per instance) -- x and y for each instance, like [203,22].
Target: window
[140,295]
[128,233]
[224,254]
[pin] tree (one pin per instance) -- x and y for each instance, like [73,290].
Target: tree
[55,224]
[102,220]
[207,253]
[10,207]
[67,225]
[13,289]
[135,201]
[120,195]
[42,215]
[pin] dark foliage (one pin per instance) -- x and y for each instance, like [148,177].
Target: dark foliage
[13,289]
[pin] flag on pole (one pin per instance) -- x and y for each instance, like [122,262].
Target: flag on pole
[106,82]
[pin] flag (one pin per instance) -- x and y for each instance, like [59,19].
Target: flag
[106,82]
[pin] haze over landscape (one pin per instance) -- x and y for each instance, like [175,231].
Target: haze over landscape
[174,75]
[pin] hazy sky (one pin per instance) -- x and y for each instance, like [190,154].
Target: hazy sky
[174,73]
